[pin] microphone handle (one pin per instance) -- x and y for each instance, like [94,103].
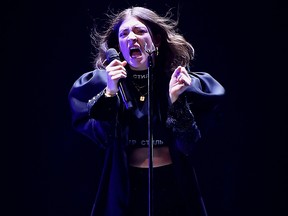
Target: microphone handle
[124,93]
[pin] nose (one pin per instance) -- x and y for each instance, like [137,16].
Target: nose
[131,36]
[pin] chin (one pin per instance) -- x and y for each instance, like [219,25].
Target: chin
[138,67]
[137,64]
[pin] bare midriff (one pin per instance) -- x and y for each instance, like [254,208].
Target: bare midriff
[139,157]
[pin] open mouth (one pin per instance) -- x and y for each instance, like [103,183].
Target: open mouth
[135,52]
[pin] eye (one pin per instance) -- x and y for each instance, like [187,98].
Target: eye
[123,33]
[140,31]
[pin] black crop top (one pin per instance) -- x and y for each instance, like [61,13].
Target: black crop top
[138,132]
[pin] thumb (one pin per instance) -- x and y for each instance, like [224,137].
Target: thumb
[124,63]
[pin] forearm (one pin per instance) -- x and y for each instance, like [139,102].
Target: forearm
[93,114]
[195,111]
[183,124]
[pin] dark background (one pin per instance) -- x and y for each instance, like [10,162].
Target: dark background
[49,170]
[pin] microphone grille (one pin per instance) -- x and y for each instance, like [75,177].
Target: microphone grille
[112,54]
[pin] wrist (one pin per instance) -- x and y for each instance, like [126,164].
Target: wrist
[173,98]
[109,93]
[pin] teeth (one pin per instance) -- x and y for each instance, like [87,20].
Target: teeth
[137,49]
[134,48]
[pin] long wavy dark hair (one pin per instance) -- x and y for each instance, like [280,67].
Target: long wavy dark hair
[174,49]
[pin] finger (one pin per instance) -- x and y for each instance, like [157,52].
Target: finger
[117,67]
[114,62]
[176,72]
[185,79]
[117,74]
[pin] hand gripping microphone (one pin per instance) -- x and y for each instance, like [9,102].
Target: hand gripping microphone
[112,54]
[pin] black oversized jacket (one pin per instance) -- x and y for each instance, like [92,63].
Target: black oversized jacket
[101,119]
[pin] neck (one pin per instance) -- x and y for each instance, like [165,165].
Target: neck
[138,75]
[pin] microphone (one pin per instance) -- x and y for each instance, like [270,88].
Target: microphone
[150,50]
[112,54]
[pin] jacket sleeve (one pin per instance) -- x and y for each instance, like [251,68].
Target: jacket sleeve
[93,114]
[195,111]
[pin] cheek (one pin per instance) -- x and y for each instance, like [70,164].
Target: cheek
[125,52]
[122,47]
[148,40]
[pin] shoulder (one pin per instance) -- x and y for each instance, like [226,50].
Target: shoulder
[89,83]
[204,83]
[96,76]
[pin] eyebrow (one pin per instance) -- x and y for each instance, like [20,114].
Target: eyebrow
[137,27]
